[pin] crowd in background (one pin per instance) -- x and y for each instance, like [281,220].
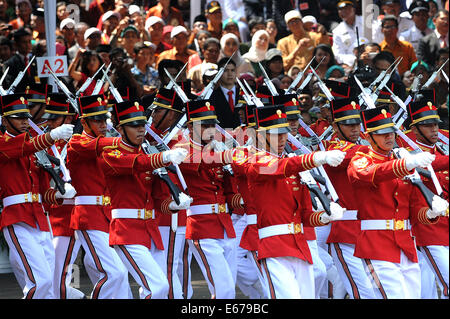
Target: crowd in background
[282,36]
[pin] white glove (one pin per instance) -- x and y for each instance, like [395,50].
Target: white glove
[422,159]
[404,153]
[176,156]
[185,202]
[70,192]
[336,213]
[63,132]
[332,158]
[439,207]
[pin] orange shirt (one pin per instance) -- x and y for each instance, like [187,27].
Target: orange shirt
[288,44]
[173,18]
[404,49]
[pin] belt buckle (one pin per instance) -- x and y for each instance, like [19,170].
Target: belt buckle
[297,228]
[106,200]
[399,225]
[35,198]
[222,208]
[148,214]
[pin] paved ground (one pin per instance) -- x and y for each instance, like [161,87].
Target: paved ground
[9,288]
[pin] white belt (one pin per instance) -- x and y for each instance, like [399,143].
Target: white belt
[282,229]
[251,219]
[133,213]
[349,215]
[385,224]
[22,198]
[93,200]
[70,201]
[207,209]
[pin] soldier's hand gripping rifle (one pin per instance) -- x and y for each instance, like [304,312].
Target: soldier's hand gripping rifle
[19,77]
[44,161]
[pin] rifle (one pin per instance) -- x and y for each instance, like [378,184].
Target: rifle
[385,80]
[2,90]
[250,98]
[170,84]
[433,76]
[44,162]
[323,87]
[88,82]
[72,100]
[210,87]
[366,97]
[291,88]
[308,78]
[19,77]
[99,84]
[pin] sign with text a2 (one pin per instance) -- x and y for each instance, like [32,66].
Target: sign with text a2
[58,64]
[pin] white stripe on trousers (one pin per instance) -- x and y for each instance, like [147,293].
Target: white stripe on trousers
[142,265]
[217,261]
[32,257]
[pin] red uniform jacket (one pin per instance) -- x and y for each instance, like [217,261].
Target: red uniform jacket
[433,234]
[205,178]
[60,214]
[129,178]
[280,198]
[345,231]
[19,174]
[88,180]
[385,195]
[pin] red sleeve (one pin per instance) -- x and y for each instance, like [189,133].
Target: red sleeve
[21,145]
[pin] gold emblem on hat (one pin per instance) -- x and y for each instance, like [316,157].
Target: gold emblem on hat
[383,111]
[294,101]
[430,105]
[99,99]
[207,104]
[353,103]
[279,113]
[137,105]
[22,99]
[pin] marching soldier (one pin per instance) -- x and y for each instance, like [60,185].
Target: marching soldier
[209,229]
[431,240]
[389,207]
[128,170]
[92,212]
[283,206]
[23,219]
[343,233]
[167,108]
[59,112]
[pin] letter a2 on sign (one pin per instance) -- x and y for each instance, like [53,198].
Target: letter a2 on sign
[58,64]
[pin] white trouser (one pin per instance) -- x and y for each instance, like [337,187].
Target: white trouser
[428,288]
[394,280]
[247,278]
[66,251]
[288,278]
[437,258]
[320,270]
[177,261]
[142,264]
[107,272]
[351,271]
[217,261]
[32,259]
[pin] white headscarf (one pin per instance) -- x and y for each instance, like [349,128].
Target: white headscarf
[237,56]
[255,54]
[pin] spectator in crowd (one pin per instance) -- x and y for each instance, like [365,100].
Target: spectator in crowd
[83,66]
[230,25]
[61,12]
[6,49]
[298,46]
[335,72]
[23,12]
[67,29]
[371,49]
[225,96]
[440,84]
[92,38]
[154,26]
[4,17]
[213,14]
[272,30]
[79,31]
[37,25]
[121,76]
[256,53]
[211,51]
[421,68]
[294,71]
[170,14]
[97,8]
[391,43]
[180,49]
[274,63]
[167,30]
[344,35]
[419,13]
[255,24]
[103,51]
[390,7]
[433,10]
[407,79]
[430,44]
[200,38]
[199,23]
[173,67]
[310,24]
[143,72]
[229,45]
[128,38]
[235,9]
[285,81]
[323,51]
[109,22]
